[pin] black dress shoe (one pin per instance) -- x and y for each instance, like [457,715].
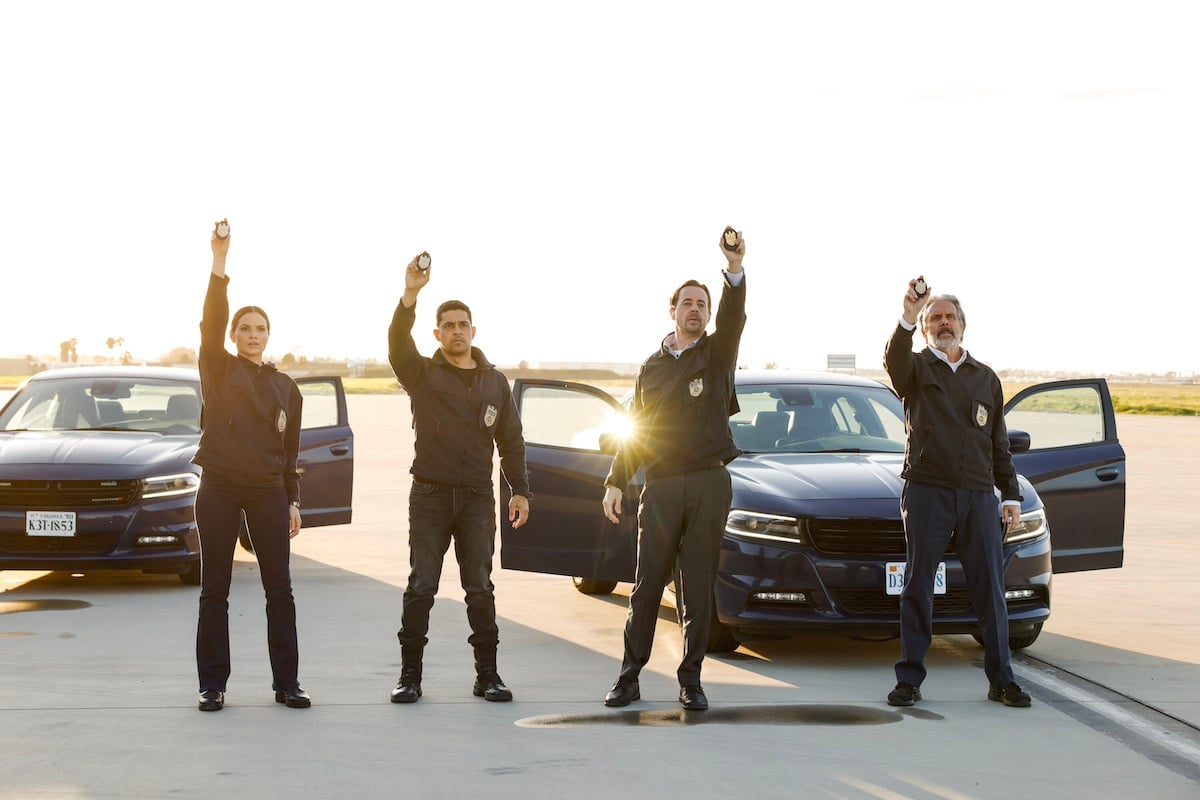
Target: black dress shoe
[490,687]
[211,700]
[294,697]
[406,692]
[623,693]
[692,698]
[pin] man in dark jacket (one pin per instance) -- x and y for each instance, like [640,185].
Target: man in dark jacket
[462,410]
[682,400]
[956,457]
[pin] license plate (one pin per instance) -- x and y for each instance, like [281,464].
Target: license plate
[894,577]
[50,523]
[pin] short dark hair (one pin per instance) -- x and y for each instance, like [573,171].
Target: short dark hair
[453,305]
[243,311]
[686,284]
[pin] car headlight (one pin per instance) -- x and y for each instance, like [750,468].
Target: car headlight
[170,485]
[763,526]
[1031,525]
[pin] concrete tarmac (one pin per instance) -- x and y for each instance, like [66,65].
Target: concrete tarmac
[97,681]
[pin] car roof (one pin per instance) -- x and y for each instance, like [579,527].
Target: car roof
[188,374]
[753,377]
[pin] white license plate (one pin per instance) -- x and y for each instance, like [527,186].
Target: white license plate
[50,523]
[894,577]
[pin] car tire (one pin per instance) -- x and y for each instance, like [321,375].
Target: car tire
[191,575]
[1017,641]
[1020,641]
[592,586]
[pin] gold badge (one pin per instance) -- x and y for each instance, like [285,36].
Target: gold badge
[981,415]
[696,387]
[281,422]
[489,416]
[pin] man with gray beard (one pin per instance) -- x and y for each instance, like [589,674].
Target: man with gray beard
[957,451]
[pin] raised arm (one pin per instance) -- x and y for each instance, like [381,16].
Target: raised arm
[402,350]
[731,310]
[220,247]
[216,310]
[898,353]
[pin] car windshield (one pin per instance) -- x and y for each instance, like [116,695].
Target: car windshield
[104,403]
[817,418]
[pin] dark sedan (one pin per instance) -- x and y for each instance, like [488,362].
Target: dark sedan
[814,540]
[96,472]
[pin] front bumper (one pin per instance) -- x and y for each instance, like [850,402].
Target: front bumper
[108,538]
[846,594]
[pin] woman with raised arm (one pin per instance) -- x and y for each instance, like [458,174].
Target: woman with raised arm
[248,447]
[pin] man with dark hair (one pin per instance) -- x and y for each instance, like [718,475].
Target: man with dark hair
[462,411]
[681,405]
[957,451]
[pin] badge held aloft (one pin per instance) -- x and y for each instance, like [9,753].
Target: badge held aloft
[920,287]
[423,261]
[222,229]
[730,238]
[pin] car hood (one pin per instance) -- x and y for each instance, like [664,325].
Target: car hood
[789,481]
[828,484]
[36,455]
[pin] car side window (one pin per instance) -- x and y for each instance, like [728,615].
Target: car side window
[555,416]
[1059,417]
[320,404]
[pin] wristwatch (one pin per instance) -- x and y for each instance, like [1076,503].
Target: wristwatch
[295,503]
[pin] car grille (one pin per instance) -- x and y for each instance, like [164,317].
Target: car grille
[80,544]
[882,537]
[877,602]
[66,494]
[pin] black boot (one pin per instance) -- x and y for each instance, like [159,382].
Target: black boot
[408,688]
[487,680]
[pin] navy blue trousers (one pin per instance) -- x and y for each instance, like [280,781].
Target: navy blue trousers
[931,515]
[219,509]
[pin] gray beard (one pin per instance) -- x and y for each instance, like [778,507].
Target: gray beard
[946,348]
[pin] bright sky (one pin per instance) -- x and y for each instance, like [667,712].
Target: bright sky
[568,165]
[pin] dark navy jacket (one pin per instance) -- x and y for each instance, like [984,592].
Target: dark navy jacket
[250,419]
[955,420]
[456,423]
[681,406]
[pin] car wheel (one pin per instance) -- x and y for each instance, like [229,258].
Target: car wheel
[191,575]
[591,586]
[1017,641]
[721,638]
[1022,640]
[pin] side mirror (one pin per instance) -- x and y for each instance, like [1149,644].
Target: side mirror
[1018,441]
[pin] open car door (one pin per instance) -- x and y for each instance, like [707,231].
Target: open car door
[567,532]
[1077,465]
[326,460]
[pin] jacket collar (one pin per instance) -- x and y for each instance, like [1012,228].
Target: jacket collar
[932,358]
[439,358]
[667,350]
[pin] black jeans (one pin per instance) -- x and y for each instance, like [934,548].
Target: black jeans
[437,514]
[681,522]
[220,505]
